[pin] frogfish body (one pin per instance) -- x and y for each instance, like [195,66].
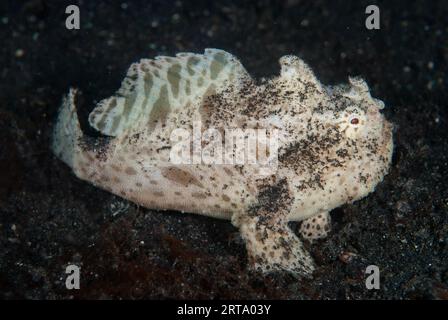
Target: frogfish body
[195,133]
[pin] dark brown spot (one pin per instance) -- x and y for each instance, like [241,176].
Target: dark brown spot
[181,176]
[130,171]
[228,171]
[198,195]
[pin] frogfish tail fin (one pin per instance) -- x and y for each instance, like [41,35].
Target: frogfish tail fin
[67,131]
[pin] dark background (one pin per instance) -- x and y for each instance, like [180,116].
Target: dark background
[49,218]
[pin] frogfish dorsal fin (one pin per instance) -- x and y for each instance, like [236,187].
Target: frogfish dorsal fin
[153,88]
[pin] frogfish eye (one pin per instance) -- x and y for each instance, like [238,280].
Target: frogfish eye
[354,121]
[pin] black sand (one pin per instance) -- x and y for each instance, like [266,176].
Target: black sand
[49,218]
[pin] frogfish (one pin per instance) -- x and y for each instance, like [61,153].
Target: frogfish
[195,133]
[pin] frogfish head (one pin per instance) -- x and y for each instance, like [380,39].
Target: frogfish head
[356,138]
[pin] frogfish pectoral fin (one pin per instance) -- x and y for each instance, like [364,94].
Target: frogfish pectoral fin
[272,245]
